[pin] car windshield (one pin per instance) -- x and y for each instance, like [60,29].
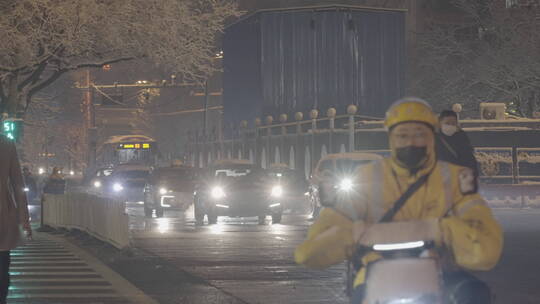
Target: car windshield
[175,174]
[326,165]
[234,170]
[132,174]
[349,165]
[104,172]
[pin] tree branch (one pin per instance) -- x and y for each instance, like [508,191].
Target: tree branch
[101,64]
[43,85]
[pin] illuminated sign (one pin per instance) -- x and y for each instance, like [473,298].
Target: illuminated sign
[144,146]
[11,129]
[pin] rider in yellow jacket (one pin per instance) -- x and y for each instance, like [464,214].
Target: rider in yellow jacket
[447,202]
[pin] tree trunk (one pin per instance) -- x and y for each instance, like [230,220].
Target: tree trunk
[13,97]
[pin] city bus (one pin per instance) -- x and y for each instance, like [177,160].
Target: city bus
[128,149]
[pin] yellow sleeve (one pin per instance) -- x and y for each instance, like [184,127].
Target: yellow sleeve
[329,241]
[472,233]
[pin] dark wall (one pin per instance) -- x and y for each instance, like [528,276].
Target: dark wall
[283,62]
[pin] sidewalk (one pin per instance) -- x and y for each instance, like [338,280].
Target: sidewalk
[51,270]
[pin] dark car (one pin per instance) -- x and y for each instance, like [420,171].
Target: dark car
[295,187]
[237,188]
[169,188]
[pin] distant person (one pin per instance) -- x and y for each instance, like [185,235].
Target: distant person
[55,184]
[13,210]
[453,144]
[30,184]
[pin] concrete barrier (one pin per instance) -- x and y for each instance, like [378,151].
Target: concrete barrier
[100,217]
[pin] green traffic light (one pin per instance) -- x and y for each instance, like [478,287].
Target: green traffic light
[10,129]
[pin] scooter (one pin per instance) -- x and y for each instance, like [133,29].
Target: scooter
[409,271]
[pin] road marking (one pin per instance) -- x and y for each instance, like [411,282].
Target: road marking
[51,270]
[121,285]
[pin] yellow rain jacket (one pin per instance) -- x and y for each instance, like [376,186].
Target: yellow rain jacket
[466,228]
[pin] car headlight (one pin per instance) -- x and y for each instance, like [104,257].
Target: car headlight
[277,191]
[217,192]
[346,184]
[117,187]
[163,191]
[97,184]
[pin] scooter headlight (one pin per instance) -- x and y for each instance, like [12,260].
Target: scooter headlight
[346,185]
[217,192]
[277,191]
[117,187]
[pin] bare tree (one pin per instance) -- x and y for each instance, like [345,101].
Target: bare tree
[490,55]
[38,124]
[75,147]
[43,39]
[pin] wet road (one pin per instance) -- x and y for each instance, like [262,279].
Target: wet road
[254,263]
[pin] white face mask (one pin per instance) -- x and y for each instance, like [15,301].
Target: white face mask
[449,130]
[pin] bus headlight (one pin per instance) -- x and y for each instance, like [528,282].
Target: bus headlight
[117,187]
[277,191]
[97,184]
[163,191]
[217,192]
[346,185]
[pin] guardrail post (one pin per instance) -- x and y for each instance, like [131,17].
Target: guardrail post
[269,121]
[243,138]
[283,119]
[331,113]
[351,110]
[299,116]
[257,156]
[313,115]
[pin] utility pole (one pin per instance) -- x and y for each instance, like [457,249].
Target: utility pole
[205,113]
[90,123]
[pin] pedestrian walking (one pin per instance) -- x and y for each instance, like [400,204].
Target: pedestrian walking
[13,210]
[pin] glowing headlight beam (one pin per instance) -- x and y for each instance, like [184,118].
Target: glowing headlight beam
[222,206]
[217,192]
[398,246]
[275,205]
[277,191]
[163,191]
[346,184]
[118,187]
[26,189]
[97,184]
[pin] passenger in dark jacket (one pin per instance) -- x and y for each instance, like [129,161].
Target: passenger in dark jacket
[56,184]
[453,144]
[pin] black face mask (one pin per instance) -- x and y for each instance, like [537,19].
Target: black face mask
[411,156]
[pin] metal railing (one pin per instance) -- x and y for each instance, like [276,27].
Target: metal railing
[100,217]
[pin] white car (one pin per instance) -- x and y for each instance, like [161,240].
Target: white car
[127,182]
[340,167]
